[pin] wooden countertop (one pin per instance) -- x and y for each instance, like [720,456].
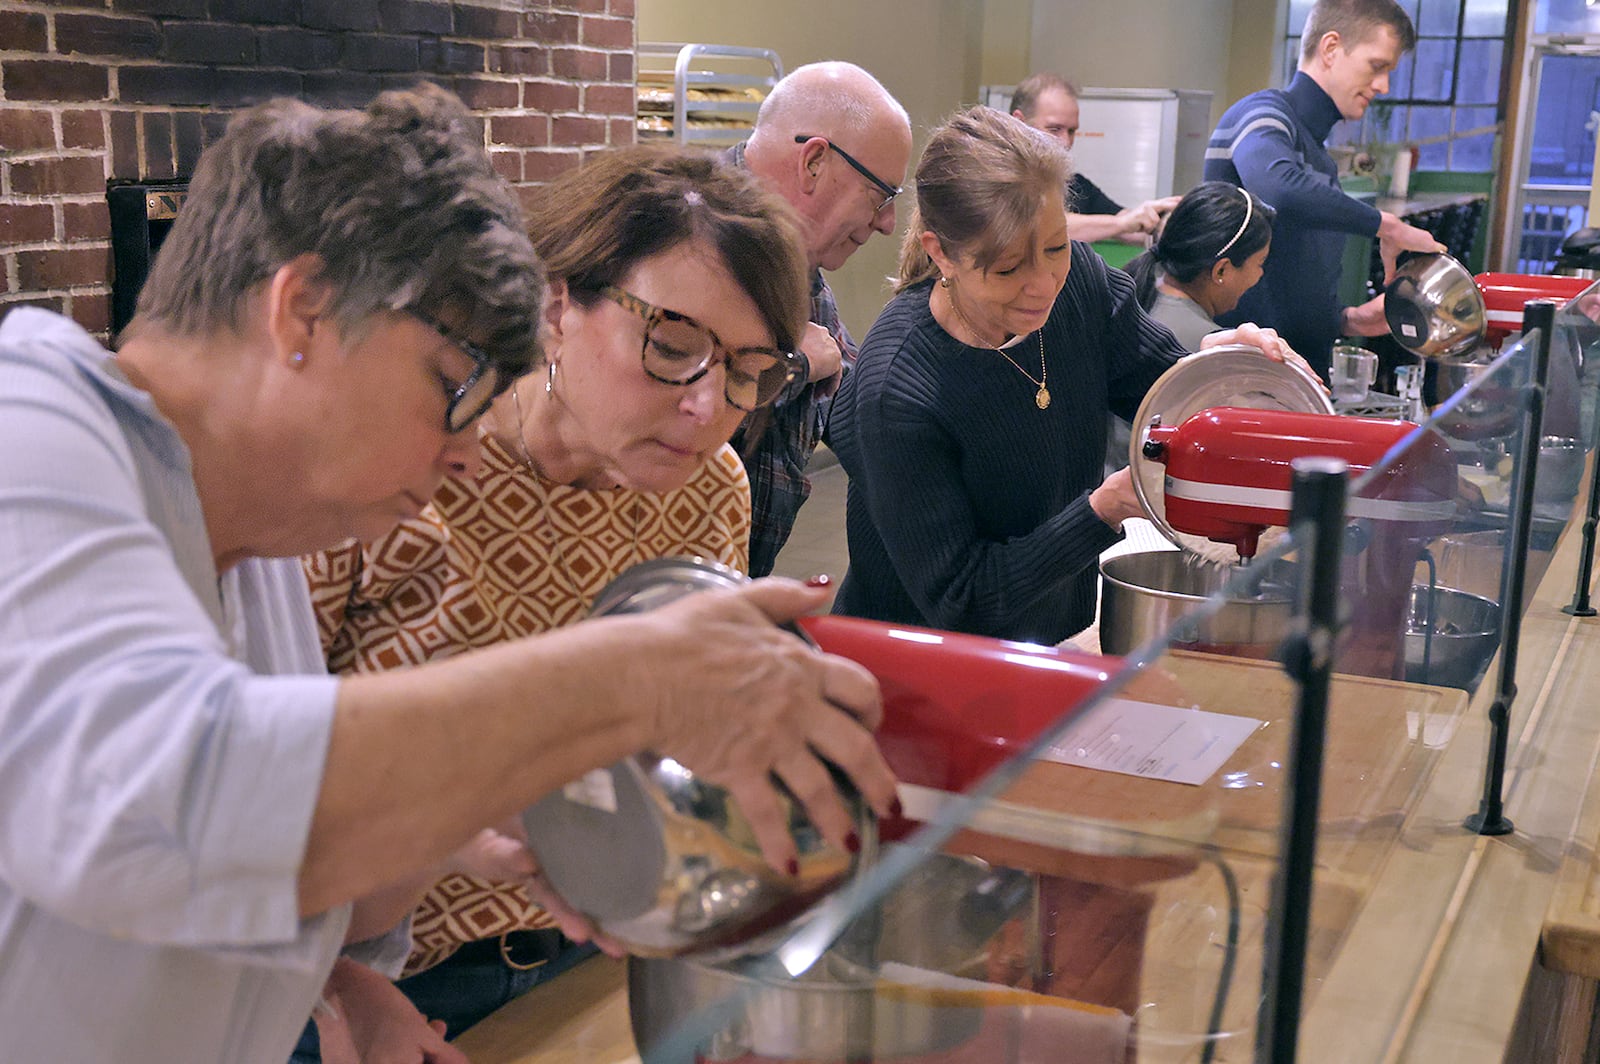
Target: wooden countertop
[1432,931]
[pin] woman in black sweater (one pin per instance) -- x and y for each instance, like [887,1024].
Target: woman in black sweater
[973,426]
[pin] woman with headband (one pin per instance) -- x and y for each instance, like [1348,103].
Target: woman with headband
[1209,254]
[973,427]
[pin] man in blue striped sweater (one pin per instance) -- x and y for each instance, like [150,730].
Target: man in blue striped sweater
[1271,142]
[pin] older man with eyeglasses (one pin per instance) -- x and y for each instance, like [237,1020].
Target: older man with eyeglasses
[833,142]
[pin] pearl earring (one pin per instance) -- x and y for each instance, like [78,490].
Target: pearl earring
[298,359]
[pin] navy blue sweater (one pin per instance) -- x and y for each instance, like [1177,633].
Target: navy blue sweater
[1271,143]
[968,507]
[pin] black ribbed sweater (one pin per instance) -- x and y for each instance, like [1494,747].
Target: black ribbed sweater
[968,507]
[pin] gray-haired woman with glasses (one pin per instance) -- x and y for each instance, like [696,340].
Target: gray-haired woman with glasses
[199,817]
[677,291]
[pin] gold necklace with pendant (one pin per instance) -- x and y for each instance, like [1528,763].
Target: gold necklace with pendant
[1041,398]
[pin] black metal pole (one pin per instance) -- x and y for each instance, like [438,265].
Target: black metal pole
[1490,819]
[1317,518]
[1580,605]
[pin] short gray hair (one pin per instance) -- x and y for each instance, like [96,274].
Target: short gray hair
[399,203]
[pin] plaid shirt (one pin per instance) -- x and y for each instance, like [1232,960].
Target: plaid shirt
[776,463]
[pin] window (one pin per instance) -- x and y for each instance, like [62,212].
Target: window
[1444,94]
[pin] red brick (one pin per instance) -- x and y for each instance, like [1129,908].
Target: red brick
[543,165]
[490,24]
[508,164]
[619,66]
[124,145]
[92,310]
[126,38]
[608,100]
[623,8]
[83,129]
[189,136]
[623,131]
[56,177]
[41,270]
[550,96]
[26,223]
[608,32]
[484,95]
[158,162]
[23,130]
[577,129]
[209,42]
[578,63]
[520,59]
[86,221]
[550,27]
[55,303]
[590,7]
[22,32]
[28,79]
[524,131]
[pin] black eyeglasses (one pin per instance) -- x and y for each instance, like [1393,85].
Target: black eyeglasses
[679,350]
[889,191]
[471,397]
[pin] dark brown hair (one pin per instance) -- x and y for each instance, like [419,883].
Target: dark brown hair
[1354,21]
[980,181]
[595,224]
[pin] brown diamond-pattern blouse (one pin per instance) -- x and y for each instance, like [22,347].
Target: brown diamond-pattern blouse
[498,556]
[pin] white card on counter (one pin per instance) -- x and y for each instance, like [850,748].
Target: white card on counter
[1171,743]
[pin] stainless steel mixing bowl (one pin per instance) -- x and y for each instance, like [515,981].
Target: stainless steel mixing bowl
[662,861]
[1450,636]
[1434,307]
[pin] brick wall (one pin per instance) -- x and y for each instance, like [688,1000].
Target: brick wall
[131,90]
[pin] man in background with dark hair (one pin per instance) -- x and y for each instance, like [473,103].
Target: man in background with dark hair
[1271,142]
[1049,103]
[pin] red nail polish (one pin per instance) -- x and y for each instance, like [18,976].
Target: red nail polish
[852,842]
[819,580]
[793,867]
[896,810]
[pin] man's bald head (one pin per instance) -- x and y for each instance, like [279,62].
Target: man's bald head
[844,96]
[816,131]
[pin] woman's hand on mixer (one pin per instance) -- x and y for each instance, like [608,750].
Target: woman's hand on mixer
[741,702]
[1263,339]
[1114,501]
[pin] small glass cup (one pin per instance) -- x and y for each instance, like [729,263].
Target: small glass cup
[1353,371]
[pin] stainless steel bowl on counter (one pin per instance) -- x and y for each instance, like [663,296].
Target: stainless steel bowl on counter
[1144,594]
[1559,475]
[662,861]
[939,920]
[1450,636]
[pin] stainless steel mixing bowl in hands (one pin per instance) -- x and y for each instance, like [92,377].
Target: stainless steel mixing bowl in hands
[1434,307]
[663,862]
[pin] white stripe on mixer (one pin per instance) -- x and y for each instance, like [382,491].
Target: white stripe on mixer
[1277,499]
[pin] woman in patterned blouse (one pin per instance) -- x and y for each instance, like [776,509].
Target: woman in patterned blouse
[677,290]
